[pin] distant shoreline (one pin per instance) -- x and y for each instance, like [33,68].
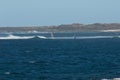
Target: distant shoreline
[75,27]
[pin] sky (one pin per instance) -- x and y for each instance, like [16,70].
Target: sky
[56,12]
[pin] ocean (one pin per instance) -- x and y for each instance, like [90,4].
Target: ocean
[95,56]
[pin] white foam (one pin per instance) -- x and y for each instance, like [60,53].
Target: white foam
[61,38]
[112,79]
[104,79]
[111,30]
[7,73]
[116,79]
[84,37]
[93,37]
[42,37]
[16,37]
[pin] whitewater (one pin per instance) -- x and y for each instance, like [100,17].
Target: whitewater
[16,37]
[43,37]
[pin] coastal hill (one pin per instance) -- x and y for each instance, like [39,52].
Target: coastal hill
[75,27]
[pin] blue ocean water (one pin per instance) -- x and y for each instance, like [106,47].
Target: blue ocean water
[59,59]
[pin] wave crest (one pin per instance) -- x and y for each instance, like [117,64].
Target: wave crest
[43,37]
[112,79]
[84,37]
[16,37]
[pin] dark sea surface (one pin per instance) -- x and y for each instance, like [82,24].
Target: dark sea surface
[59,59]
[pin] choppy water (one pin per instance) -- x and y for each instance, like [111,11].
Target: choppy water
[60,59]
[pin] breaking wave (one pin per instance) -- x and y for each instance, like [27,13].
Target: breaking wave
[42,37]
[10,36]
[16,37]
[84,37]
[112,79]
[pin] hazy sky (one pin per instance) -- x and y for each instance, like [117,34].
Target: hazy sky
[55,12]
